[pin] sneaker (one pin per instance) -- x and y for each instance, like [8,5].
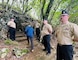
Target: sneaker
[32,50]
[44,49]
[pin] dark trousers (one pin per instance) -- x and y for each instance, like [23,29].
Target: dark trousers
[46,43]
[12,32]
[64,52]
[38,33]
[30,40]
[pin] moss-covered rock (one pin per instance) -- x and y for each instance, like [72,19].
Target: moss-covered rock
[20,52]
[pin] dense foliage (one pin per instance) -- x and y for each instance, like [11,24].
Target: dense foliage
[39,9]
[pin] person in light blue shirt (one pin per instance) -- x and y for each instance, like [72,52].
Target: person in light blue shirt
[29,31]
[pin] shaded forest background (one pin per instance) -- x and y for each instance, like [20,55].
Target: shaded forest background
[28,10]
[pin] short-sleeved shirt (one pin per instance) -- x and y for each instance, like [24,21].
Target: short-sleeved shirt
[37,25]
[47,29]
[11,24]
[66,32]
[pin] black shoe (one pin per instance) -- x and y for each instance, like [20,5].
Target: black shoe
[44,49]
[48,53]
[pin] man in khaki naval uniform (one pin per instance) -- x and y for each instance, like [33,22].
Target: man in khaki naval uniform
[46,32]
[37,28]
[12,28]
[64,33]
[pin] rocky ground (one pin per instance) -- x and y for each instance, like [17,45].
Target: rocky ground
[37,54]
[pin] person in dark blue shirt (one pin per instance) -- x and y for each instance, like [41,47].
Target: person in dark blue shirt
[29,31]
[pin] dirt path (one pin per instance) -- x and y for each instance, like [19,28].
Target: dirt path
[38,54]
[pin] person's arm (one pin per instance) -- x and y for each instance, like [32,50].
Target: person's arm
[50,29]
[75,39]
[26,29]
[8,24]
[33,31]
[75,33]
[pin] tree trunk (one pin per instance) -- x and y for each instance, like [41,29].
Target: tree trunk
[7,5]
[2,3]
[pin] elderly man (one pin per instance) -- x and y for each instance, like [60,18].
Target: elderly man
[64,33]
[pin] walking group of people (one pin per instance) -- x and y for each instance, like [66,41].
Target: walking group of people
[66,32]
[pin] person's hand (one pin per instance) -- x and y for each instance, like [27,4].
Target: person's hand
[40,40]
[75,39]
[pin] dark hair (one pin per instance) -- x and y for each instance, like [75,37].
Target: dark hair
[11,17]
[45,19]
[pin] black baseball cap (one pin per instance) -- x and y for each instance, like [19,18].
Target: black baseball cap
[64,12]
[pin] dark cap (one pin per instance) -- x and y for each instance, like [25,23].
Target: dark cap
[45,19]
[64,12]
